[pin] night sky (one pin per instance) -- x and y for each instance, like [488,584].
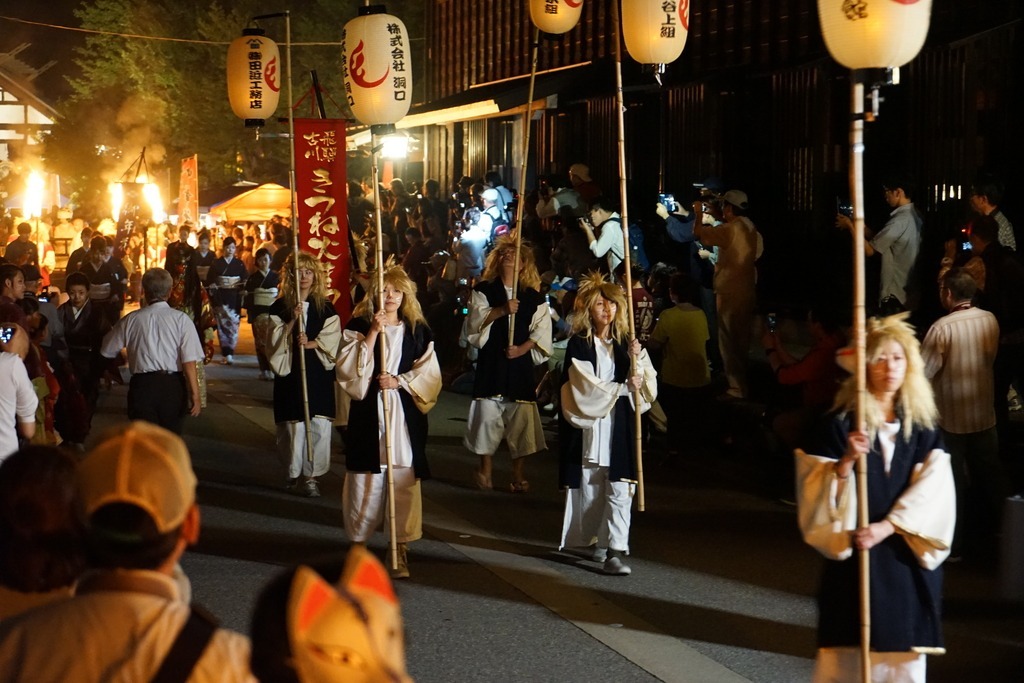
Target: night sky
[47,44]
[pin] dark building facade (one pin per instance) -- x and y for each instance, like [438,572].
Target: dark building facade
[755,100]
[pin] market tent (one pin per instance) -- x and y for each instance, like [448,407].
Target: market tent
[258,204]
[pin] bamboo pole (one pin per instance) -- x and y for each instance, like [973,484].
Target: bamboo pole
[859,334]
[295,240]
[624,213]
[382,339]
[527,115]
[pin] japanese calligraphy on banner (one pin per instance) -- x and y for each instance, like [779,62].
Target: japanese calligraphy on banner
[322,188]
[188,191]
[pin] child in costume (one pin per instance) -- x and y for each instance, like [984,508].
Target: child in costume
[597,466]
[410,383]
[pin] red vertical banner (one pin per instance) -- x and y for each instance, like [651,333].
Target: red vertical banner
[188,191]
[322,189]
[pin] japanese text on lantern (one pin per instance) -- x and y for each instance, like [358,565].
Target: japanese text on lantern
[668,27]
[255,74]
[344,67]
[551,7]
[399,83]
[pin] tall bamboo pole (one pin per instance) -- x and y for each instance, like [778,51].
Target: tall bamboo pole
[295,237]
[382,339]
[624,213]
[520,208]
[859,334]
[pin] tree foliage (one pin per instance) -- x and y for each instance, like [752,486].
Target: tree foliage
[171,98]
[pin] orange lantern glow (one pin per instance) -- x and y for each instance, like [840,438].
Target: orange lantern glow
[376,66]
[555,16]
[254,77]
[874,34]
[655,30]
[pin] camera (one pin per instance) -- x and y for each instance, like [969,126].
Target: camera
[844,209]
[463,281]
[6,334]
[668,201]
[43,296]
[773,323]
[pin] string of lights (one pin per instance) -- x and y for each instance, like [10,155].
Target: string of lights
[137,36]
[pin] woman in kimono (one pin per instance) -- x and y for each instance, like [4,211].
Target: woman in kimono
[410,383]
[597,466]
[227,297]
[911,510]
[203,257]
[190,297]
[318,340]
[261,290]
[504,387]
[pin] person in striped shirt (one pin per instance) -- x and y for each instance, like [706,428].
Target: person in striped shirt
[959,351]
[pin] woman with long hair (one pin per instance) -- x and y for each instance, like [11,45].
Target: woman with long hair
[227,276]
[596,463]
[410,383]
[318,340]
[504,389]
[911,509]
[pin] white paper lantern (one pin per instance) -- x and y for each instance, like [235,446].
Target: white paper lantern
[555,16]
[377,66]
[874,34]
[655,30]
[254,76]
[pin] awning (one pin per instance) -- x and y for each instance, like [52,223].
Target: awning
[258,204]
[497,98]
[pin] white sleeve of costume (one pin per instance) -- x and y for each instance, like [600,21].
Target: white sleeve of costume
[476,334]
[354,366]
[423,380]
[540,334]
[925,514]
[328,341]
[279,347]
[649,385]
[825,521]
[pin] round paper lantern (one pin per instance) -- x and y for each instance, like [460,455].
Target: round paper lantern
[874,34]
[254,76]
[555,16]
[655,30]
[376,66]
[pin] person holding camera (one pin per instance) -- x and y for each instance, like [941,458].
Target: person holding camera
[18,403]
[603,218]
[739,246]
[898,242]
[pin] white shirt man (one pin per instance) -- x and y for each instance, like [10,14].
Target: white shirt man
[18,400]
[609,243]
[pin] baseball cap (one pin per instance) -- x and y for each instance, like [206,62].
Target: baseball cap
[490,194]
[737,198]
[143,465]
[582,171]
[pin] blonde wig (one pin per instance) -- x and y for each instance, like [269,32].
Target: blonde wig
[591,287]
[528,275]
[409,311]
[290,289]
[914,403]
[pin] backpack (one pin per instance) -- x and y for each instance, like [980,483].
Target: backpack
[499,227]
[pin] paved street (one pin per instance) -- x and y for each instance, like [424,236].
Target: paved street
[722,586]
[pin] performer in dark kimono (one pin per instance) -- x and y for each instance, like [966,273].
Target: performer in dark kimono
[203,257]
[410,383]
[911,509]
[227,275]
[597,465]
[260,293]
[504,389]
[319,342]
[79,377]
[105,288]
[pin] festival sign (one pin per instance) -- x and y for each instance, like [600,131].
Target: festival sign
[655,31]
[188,191]
[321,189]
[376,66]
[254,77]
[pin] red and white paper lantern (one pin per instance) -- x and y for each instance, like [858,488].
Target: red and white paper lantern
[874,34]
[555,16]
[655,30]
[377,66]
[254,76]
